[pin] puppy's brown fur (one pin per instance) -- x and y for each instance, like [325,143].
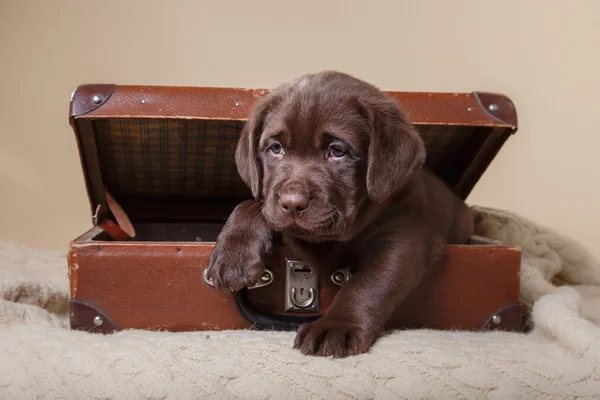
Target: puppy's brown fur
[335,166]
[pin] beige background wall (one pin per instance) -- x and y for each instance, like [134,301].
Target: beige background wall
[545,55]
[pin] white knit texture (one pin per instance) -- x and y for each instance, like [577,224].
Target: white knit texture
[40,358]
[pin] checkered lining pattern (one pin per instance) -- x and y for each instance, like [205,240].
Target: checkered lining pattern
[170,157]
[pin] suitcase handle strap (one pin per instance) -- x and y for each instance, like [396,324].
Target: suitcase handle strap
[261,320]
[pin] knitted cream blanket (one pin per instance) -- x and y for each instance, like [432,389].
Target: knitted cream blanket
[40,358]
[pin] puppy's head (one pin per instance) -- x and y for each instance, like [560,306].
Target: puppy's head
[316,149]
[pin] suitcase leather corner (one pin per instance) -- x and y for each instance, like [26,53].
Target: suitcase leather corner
[84,316]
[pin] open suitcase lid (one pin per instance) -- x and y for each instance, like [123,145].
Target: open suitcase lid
[164,153]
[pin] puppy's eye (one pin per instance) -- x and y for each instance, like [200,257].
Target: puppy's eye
[336,151]
[275,148]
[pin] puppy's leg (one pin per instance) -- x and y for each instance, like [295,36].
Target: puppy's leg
[389,268]
[238,258]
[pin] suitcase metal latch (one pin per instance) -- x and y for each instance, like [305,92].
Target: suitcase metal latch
[301,287]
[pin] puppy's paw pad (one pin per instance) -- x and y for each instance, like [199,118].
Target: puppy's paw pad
[332,339]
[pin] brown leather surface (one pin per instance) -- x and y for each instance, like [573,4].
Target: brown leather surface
[159,285]
[472,283]
[236,103]
[155,286]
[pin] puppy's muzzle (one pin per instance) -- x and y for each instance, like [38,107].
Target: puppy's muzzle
[293,201]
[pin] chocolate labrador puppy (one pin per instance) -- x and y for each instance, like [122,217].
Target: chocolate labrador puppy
[336,168]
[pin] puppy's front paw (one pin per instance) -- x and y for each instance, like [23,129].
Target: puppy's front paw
[232,266]
[333,338]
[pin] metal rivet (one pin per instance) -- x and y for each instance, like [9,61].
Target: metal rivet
[96,99]
[98,321]
[493,107]
[338,277]
[470,109]
[143,101]
[265,277]
[237,103]
[496,319]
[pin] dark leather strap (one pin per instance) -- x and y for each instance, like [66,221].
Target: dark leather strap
[265,321]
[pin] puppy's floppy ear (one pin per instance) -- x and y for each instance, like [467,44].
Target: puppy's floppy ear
[246,152]
[396,151]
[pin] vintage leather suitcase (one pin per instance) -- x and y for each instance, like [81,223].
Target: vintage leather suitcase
[159,169]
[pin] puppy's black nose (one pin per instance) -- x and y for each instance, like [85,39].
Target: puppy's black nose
[293,203]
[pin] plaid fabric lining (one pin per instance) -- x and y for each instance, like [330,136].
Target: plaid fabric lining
[169,157]
[196,157]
